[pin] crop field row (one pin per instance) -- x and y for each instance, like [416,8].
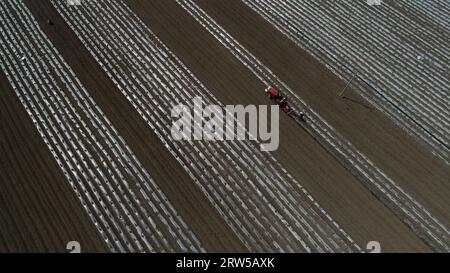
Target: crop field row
[402,203]
[402,66]
[118,194]
[92,87]
[264,206]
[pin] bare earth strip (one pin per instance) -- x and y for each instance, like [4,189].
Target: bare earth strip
[177,185]
[39,211]
[304,158]
[415,173]
[266,208]
[309,167]
[382,186]
[400,156]
[121,198]
[399,62]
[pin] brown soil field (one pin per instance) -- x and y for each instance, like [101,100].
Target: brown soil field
[40,212]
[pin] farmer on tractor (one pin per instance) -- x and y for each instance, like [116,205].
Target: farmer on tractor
[275,95]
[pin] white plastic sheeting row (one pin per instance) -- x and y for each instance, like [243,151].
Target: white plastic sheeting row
[264,205]
[97,162]
[403,66]
[402,203]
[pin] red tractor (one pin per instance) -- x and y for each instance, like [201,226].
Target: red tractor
[275,95]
